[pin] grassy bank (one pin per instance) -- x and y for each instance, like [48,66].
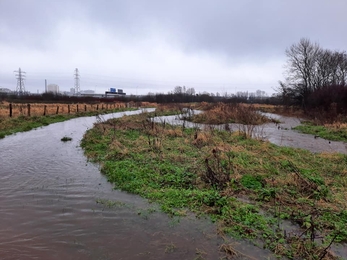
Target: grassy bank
[248,187]
[10,126]
[334,132]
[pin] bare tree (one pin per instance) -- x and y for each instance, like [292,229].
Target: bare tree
[323,67]
[178,90]
[315,77]
[190,91]
[301,67]
[340,68]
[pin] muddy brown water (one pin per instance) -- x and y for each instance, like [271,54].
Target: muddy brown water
[48,207]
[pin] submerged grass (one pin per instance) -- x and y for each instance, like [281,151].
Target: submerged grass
[248,186]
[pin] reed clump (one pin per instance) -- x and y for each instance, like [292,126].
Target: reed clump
[222,113]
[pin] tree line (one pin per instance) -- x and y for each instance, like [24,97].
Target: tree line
[180,94]
[314,77]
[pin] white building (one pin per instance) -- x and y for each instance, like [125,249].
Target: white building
[88,92]
[53,88]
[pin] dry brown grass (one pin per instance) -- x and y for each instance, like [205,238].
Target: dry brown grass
[147,104]
[303,249]
[230,113]
[37,109]
[337,126]
[202,139]
[265,107]
[174,132]
[290,111]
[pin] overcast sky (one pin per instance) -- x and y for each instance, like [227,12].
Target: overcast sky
[146,46]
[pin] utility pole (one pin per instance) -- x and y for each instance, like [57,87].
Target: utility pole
[77,82]
[20,76]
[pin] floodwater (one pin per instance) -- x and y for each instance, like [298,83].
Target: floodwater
[50,207]
[283,135]
[280,134]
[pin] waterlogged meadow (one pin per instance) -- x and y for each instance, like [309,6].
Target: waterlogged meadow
[288,200]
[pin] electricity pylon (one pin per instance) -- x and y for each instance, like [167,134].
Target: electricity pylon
[20,81]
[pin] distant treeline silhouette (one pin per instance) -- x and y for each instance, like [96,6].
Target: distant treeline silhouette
[156,98]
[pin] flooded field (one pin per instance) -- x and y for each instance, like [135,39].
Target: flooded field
[280,134]
[54,204]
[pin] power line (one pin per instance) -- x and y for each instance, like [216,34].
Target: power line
[20,81]
[108,79]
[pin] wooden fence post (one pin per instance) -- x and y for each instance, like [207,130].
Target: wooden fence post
[28,109]
[57,110]
[44,110]
[68,109]
[85,108]
[97,107]
[77,108]
[10,109]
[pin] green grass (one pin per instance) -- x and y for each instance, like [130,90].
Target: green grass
[323,132]
[10,126]
[207,171]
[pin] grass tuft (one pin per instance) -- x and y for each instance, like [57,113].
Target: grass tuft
[66,139]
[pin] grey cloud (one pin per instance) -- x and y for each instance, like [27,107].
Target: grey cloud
[249,32]
[32,23]
[235,28]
